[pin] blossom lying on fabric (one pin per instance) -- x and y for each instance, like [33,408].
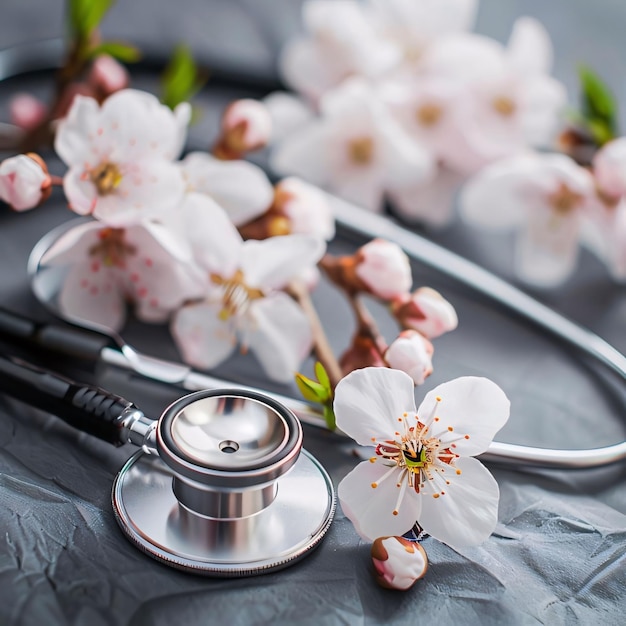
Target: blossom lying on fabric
[106,268]
[24,183]
[120,156]
[354,148]
[543,194]
[422,469]
[243,300]
[399,563]
[242,189]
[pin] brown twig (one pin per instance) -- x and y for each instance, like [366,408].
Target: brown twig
[321,346]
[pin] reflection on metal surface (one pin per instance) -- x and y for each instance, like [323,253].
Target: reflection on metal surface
[278,535]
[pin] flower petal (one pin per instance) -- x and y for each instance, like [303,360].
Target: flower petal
[73,141]
[529,48]
[288,113]
[468,511]
[273,262]
[469,406]
[242,189]
[371,509]
[280,336]
[203,339]
[370,401]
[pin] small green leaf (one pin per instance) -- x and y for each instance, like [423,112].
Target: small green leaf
[86,15]
[118,50]
[322,376]
[181,79]
[311,390]
[329,416]
[599,107]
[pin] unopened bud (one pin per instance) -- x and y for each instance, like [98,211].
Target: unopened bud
[426,311]
[609,168]
[398,562]
[24,181]
[411,353]
[246,126]
[384,268]
[107,76]
[26,111]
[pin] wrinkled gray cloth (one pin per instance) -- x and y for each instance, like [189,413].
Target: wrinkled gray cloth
[557,555]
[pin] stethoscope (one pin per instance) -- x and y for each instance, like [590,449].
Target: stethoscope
[220,486]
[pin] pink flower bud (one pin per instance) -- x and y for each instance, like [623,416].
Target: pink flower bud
[107,75]
[246,126]
[23,182]
[306,207]
[609,168]
[26,111]
[411,353]
[384,269]
[426,311]
[398,562]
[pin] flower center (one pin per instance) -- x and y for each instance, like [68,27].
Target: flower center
[564,200]
[429,114]
[361,150]
[112,249]
[504,105]
[106,177]
[418,460]
[236,296]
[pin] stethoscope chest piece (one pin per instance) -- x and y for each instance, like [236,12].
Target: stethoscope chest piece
[231,493]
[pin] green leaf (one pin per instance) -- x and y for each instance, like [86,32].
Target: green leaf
[311,390]
[181,79]
[322,376]
[599,107]
[118,50]
[329,416]
[86,15]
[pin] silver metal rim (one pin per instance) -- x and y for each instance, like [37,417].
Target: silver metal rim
[149,525]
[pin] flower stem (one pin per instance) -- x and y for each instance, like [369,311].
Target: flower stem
[366,325]
[321,346]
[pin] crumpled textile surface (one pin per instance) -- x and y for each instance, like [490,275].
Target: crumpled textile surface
[557,556]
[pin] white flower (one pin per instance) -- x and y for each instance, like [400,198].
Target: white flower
[411,353]
[107,267]
[243,299]
[120,156]
[354,149]
[22,182]
[341,41]
[384,268]
[288,112]
[246,126]
[545,195]
[505,99]
[422,470]
[426,311]
[242,189]
[413,24]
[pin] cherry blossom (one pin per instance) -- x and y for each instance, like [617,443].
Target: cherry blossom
[106,268]
[354,148]
[27,111]
[107,75]
[399,563]
[412,353]
[24,183]
[242,189]
[422,468]
[120,156]
[426,311]
[384,269]
[244,301]
[340,41]
[545,195]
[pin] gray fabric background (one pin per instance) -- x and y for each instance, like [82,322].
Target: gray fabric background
[557,556]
